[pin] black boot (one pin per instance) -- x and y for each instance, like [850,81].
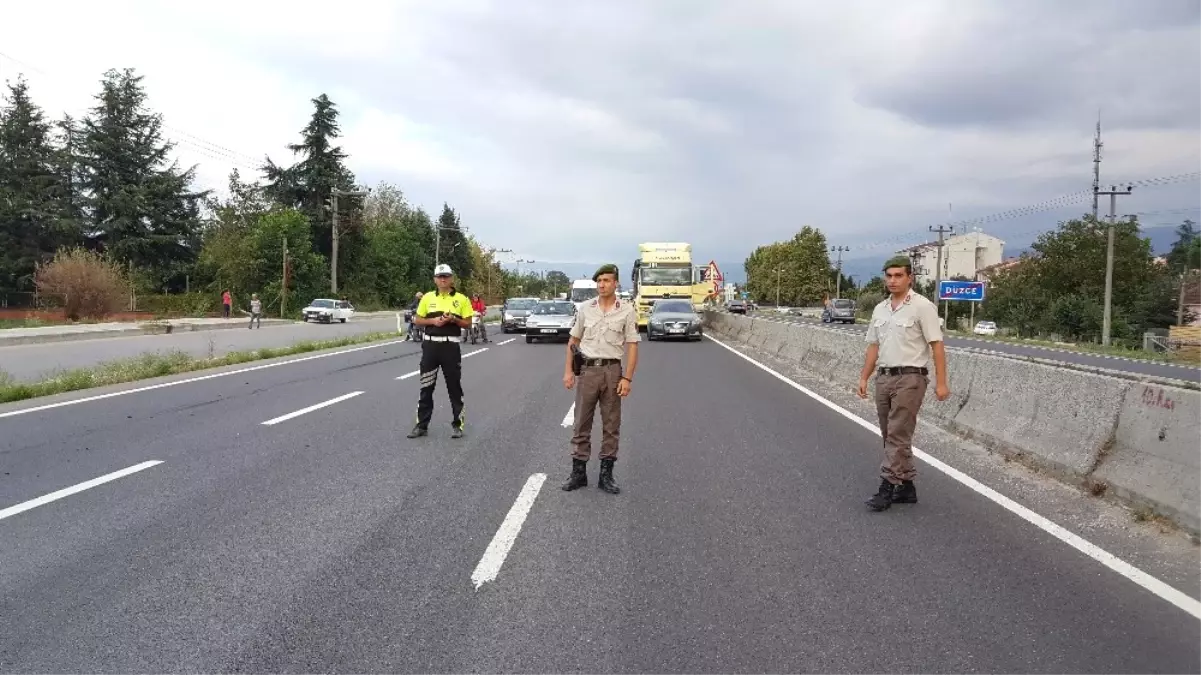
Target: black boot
[905,493]
[883,497]
[579,475]
[605,482]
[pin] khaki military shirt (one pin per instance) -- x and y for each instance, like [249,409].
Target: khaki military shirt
[603,335]
[905,334]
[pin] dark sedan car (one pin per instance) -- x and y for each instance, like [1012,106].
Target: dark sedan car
[736,307]
[674,319]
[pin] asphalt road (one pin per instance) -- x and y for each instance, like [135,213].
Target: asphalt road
[329,542]
[35,361]
[1141,367]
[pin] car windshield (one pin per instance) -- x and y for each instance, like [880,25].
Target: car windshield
[844,304]
[522,303]
[674,306]
[561,308]
[322,303]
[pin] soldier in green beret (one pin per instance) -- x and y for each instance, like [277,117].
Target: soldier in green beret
[605,330]
[904,335]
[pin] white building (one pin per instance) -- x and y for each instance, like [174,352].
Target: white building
[962,256]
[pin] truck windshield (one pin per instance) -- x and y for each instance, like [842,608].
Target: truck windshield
[582,294]
[666,276]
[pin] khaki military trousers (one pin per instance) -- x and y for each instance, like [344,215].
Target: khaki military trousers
[597,386]
[898,399]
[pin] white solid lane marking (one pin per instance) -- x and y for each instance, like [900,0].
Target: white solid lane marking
[501,344]
[569,418]
[498,549]
[67,492]
[1150,583]
[302,411]
[161,385]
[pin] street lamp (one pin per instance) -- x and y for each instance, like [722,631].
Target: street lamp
[333,263]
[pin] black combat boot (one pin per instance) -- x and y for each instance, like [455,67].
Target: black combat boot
[883,497]
[605,482]
[579,475]
[905,493]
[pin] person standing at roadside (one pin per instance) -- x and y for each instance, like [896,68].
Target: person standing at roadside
[256,310]
[604,328]
[227,303]
[903,337]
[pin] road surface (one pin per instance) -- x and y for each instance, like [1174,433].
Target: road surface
[33,362]
[1130,365]
[275,536]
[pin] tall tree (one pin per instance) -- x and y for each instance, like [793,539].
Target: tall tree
[308,184]
[141,206]
[1186,252]
[796,271]
[453,247]
[30,199]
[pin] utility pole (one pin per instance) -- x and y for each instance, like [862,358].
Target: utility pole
[333,258]
[283,295]
[1097,165]
[941,230]
[1113,193]
[838,270]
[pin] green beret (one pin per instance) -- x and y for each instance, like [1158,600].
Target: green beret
[898,261]
[607,268]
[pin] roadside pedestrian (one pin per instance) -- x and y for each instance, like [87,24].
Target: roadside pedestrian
[605,329]
[256,310]
[903,337]
[443,315]
[227,303]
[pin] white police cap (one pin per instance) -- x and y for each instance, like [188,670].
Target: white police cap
[442,269]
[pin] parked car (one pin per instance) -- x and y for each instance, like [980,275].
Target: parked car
[985,328]
[736,306]
[550,319]
[674,319]
[513,314]
[840,309]
[327,311]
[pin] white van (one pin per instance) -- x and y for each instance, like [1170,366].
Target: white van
[583,289]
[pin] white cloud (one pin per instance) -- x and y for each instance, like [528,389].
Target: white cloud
[574,130]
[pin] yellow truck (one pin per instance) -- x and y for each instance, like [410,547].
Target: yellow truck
[664,270]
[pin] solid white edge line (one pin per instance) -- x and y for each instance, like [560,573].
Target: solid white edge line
[67,492]
[201,378]
[569,418]
[318,406]
[1148,582]
[489,565]
[501,344]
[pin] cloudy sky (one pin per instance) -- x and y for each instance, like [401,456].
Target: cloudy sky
[593,125]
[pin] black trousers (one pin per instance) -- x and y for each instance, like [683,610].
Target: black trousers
[448,357]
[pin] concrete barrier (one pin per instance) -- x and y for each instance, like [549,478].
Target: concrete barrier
[1136,441]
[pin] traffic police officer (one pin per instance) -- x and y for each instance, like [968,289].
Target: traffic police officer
[904,334]
[604,328]
[443,315]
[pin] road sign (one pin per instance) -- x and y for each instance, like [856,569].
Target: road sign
[972,291]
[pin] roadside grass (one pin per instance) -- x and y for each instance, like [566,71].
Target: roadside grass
[152,365]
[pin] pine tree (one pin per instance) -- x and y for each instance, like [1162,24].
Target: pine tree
[453,249]
[308,184]
[142,210]
[29,195]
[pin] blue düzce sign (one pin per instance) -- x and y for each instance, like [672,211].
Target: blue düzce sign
[961,290]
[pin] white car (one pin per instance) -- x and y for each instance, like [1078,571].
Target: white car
[327,311]
[985,328]
[551,319]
